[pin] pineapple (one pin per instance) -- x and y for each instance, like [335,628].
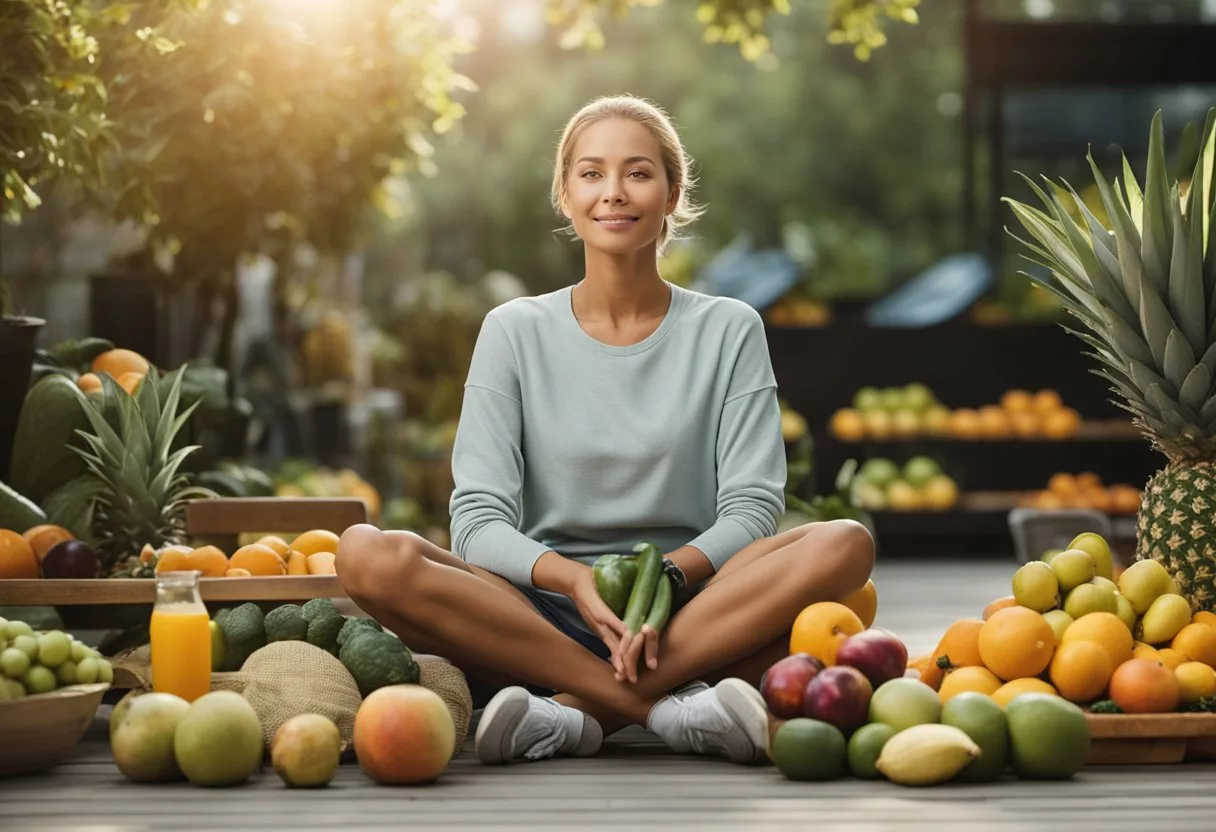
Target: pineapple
[143,496]
[1143,288]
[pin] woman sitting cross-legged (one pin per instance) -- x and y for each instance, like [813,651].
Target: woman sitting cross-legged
[624,409]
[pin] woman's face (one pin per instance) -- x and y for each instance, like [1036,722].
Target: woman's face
[617,193]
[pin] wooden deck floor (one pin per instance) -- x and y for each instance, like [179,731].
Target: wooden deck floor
[635,783]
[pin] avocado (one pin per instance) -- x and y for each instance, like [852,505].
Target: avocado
[286,623]
[244,632]
[377,659]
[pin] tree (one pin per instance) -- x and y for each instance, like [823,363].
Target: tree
[859,22]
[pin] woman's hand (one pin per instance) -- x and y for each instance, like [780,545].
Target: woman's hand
[599,617]
[633,647]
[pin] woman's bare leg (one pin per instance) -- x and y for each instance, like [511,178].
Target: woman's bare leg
[739,623]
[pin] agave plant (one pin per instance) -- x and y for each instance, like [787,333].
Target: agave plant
[1144,293]
[141,493]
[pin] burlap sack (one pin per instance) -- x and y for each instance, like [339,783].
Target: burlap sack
[287,678]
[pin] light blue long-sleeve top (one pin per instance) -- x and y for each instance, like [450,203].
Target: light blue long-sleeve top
[569,444]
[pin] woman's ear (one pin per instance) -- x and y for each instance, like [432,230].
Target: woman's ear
[564,201]
[673,198]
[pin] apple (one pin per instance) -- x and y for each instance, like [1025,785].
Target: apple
[839,696]
[784,684]
[877,653]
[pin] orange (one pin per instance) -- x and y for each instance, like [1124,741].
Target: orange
[1140,650]
[819,629]
[998,605]
[1197,642]
[1017,642]
[964,679]
[1195,681]
[45,537]
[118,362]
[322,563]
[1143,686]
[209,560]
[297,563]
[1081,670]
[17,559]
[173,560]
[89,382]
[277,543]
[1204,617]
[317,540]
[1169,657]
[237,573]
[130,381]
[258,559]
[1060,424]
[1062,484]
[1046,401]
[1017,401]
[1104,629]
[959,647]
[864,602]
[1014,688]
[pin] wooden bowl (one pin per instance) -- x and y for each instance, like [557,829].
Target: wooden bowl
[37,732]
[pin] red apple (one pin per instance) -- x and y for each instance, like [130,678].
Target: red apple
[840,696]
[784,684]
[877,653]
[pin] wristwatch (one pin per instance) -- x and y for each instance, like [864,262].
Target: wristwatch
[679,581]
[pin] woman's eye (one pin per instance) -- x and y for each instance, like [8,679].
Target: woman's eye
[589,173]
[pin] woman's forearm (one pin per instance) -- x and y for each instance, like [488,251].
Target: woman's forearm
[693,561]
[556,573]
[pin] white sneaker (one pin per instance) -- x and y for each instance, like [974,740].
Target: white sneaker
[516,725]
[728,720]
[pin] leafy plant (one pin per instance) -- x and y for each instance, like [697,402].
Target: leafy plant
[857,22]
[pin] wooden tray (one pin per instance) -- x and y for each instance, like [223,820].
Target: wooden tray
[1147,739]
[98,591]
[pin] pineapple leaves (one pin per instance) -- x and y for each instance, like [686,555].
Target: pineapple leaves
[1156,242]
[1201,178]
[1186,278]
[1156,324]
[1135,197]
[1127,233]
[1179,359]
[1196,387]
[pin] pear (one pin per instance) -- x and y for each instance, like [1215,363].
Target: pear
[1073,567]
[1142,583]
[1089,598]
[1164,618]
[1098,549]
[1123,609]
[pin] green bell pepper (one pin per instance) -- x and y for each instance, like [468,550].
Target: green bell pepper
[614,577]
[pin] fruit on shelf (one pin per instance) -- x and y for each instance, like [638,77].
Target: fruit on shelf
[920,485]
[794,311]
[1085,490]
[302,479]
[913,411]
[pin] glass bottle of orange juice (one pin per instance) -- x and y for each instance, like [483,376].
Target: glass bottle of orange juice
[180,636]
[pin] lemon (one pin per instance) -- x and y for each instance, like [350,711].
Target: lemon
[1036,586]
[1195,681]
[1074,567]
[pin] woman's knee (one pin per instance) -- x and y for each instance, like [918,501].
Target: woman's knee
[851,549]
[371,563]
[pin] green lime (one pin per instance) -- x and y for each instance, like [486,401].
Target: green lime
[807,749]
[982,719]
[1048,736]
[28,645]
[903,702]
[864,747]
[87,670]
[39,679]
[1035,586]
[53,649]
[14,663]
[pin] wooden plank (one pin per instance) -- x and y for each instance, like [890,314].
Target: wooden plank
[273,514]
[1149,726]
[97,591]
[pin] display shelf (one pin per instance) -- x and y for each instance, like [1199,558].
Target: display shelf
[104,591]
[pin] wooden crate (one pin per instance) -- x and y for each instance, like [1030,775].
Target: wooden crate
[224,519]
[1147,739]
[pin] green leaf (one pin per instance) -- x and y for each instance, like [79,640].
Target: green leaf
[1127,237]
[1195,388]
[1157,242]
[1202,185]
[1102,283]
[1156,323]
[1128,342]
[1186,280]
[1146,377]
[1135,197]
[1179,359]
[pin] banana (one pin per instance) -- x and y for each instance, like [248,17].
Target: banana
[924,755]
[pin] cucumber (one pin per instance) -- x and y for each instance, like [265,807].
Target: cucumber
[660,610]
[42,457]
[650,567]
[18,514]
